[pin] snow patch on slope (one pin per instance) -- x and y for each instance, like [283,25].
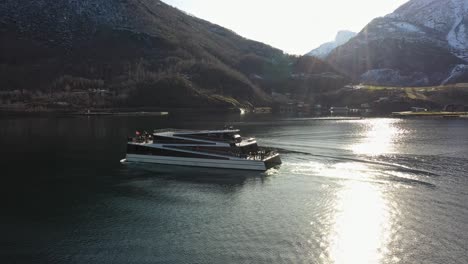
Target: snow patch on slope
[457,71]
[404,26]
[457,36]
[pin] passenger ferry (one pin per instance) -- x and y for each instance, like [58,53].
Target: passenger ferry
[201,148]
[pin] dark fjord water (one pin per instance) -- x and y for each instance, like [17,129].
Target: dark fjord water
[349,191]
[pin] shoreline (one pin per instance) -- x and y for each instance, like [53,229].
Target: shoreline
[161,112]
[408,114]
[138,111]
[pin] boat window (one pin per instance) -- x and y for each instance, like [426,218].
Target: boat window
[169,140]
[144,150]
[249,148]
[209,136]
[237,138]
[213,150]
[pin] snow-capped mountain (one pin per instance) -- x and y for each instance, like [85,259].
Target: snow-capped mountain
[424,42]
[449,18]
[323,50]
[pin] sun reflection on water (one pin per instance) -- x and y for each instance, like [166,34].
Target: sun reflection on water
[361,226]
[380,136]
[362,218]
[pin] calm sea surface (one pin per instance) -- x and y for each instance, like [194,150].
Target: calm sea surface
[348,191]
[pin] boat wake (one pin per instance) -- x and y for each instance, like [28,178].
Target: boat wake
[395,166]
[354,168]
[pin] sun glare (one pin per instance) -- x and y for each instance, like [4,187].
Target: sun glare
[379,137]
[295,26]
[361,227]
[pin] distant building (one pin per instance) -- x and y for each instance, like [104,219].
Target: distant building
[262,110]
[289,108]
[366,112]
[339,111]
[354,111]
[418,109]
[318,110]
[303,109]
[366,105]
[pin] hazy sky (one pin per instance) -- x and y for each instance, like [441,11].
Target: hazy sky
[295,26]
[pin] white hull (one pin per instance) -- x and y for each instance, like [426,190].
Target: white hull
[240,164]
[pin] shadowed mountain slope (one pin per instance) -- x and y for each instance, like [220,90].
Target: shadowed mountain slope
[137,52]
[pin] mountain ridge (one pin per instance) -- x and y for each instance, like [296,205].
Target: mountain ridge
[325,49]
[412,46]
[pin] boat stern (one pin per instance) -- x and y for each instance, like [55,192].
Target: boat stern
[272,161]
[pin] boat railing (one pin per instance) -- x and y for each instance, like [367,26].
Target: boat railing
[141,139]
[254,155]
[260,154]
